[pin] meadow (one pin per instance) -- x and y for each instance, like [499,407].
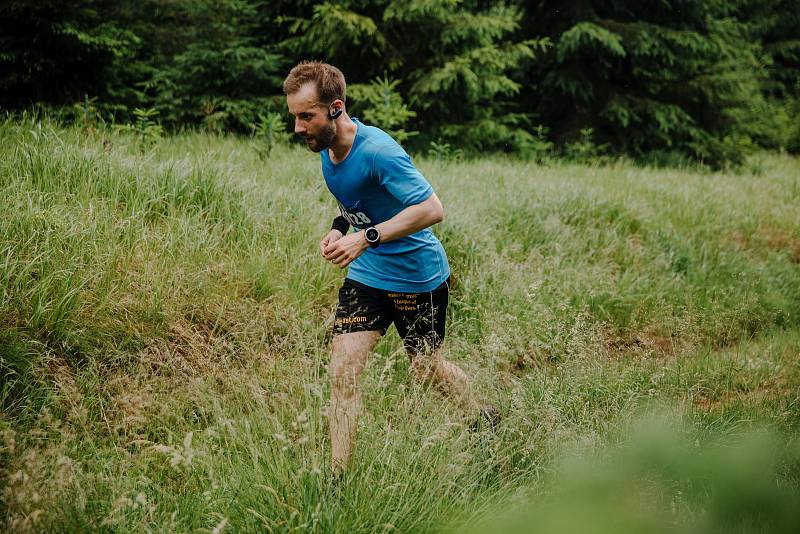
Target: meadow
[165,324]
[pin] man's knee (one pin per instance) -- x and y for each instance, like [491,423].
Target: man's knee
[424,365]
[344,371]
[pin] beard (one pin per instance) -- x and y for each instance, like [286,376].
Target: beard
[323,139]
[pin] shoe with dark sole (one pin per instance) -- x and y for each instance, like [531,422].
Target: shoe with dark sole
[488,419]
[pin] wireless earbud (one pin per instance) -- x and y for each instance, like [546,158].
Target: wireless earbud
[335,115]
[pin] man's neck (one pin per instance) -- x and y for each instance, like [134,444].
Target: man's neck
[343,142]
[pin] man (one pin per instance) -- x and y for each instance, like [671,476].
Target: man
[397,269]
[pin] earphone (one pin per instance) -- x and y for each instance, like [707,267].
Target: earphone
[335,115]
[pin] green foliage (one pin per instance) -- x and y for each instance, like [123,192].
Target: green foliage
[469,88]
[219,76]
[335,28]
[539,147]
[56,52]
[591,38]
[775,25]
[645,80]
[708,80]
[379,103]
[584,149]
[268,133]
[87,114]
[145,128]
[444,152]
[792,125]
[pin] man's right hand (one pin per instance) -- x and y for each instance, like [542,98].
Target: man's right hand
[330,237]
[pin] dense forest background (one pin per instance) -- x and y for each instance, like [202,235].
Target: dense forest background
[657,80]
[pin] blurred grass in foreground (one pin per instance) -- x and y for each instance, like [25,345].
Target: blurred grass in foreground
[660,481]
[165,318]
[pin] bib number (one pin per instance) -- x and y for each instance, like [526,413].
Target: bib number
[356,217]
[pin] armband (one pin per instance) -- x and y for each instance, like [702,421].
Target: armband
[341,224]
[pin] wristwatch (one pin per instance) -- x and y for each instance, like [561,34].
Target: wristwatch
[373,236]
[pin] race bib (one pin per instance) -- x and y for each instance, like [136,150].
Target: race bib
[356,215]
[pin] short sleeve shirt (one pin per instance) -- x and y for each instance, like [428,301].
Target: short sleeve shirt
[375,182]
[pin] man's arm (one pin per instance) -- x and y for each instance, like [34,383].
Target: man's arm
[410,220]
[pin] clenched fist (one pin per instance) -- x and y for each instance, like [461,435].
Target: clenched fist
[345,249]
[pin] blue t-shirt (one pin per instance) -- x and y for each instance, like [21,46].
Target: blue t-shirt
[375,182]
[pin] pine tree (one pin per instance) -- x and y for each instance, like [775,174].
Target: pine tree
[775,26]
[58,52]
[220,78]
[646,77]
[454,59]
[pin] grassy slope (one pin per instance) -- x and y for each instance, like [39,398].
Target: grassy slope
[164,331]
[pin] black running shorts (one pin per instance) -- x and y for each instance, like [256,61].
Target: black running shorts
[418,317]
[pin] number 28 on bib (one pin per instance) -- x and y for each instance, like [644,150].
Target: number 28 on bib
[355,214]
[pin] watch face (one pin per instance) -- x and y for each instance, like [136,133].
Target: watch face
[372,234]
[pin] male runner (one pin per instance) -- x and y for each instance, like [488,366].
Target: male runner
[398,271]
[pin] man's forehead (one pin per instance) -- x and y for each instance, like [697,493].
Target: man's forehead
[304,98]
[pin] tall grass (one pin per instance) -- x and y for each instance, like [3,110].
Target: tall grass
[165,319]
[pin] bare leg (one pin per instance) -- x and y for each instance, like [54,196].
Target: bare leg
[348,359]
[447,377]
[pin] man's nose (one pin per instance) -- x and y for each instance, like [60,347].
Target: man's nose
[299,128]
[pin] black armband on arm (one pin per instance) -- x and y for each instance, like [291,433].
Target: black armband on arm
[341,224]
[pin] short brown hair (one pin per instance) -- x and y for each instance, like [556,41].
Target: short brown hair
[328,79]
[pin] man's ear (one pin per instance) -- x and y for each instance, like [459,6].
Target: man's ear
[336,113]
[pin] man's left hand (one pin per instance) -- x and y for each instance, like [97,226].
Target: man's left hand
[346,249]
